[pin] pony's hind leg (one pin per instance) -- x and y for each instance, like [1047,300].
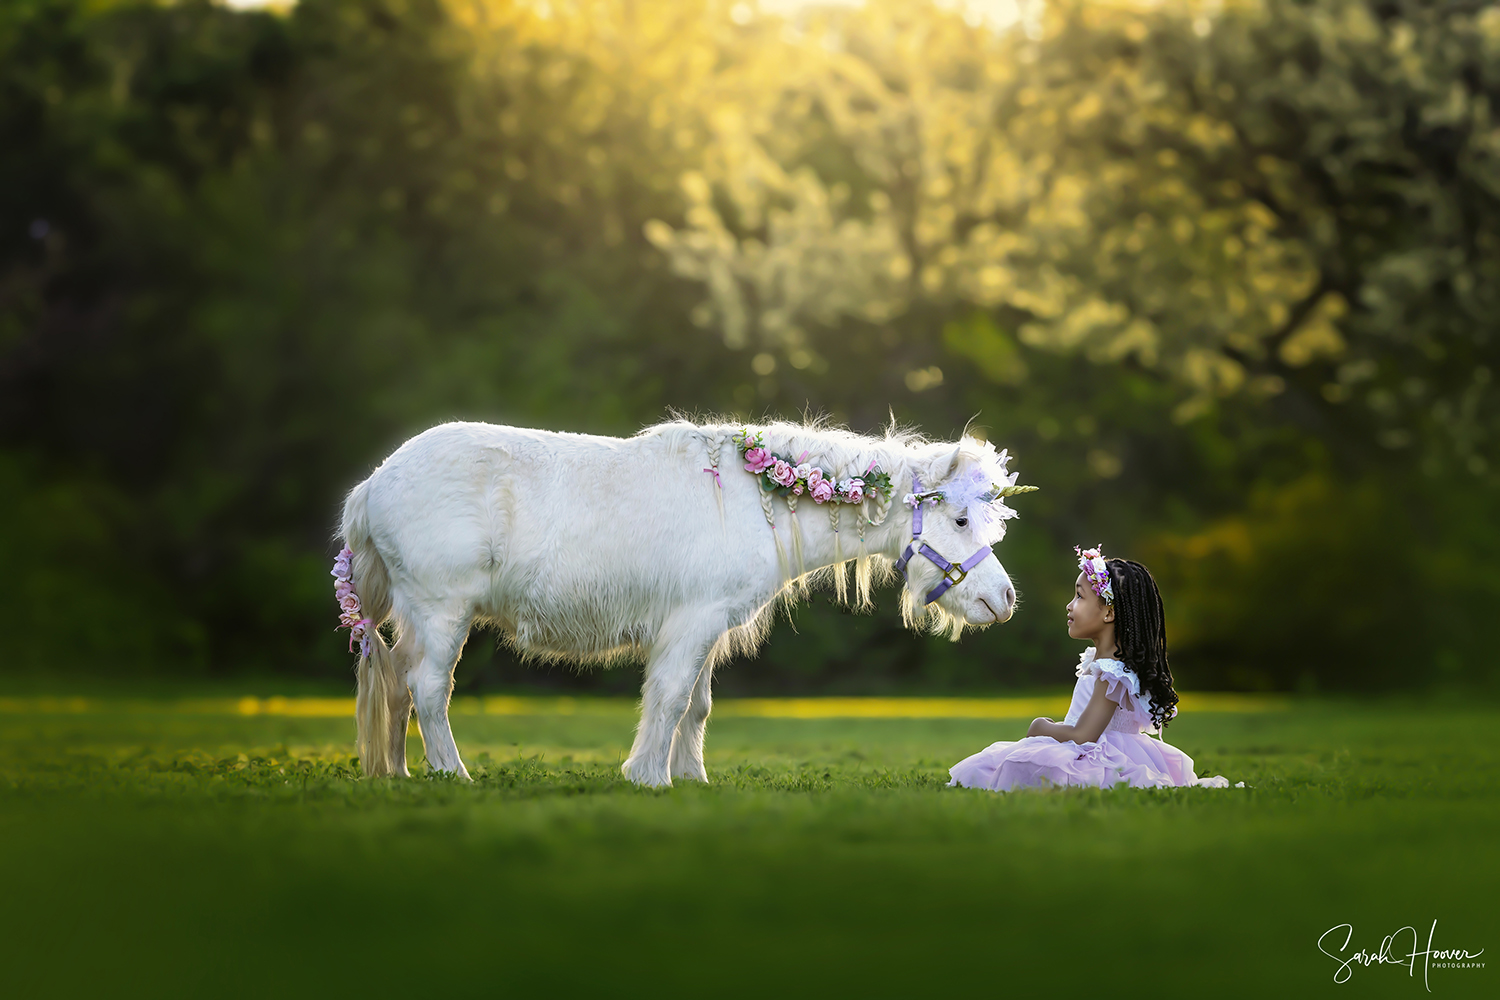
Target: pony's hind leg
[401,705]
[687,744]
[400,722]
[437,643]
[672,670]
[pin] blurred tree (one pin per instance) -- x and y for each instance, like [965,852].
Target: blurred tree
[1220,274]
[1280,212]
[1279,197]
[244,254]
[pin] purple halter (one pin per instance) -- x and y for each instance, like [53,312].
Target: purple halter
[953,573]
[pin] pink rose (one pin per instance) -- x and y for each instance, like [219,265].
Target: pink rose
[757,459]
[797,490]
[822,490]
[814,477]
[856,491]
[349,603]
[782,474]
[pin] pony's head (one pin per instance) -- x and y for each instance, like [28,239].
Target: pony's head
[957,500]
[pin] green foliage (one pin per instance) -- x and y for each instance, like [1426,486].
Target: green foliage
[824,856]
[246,255]
[1182,261]
[1328,165]
[1276,198]
[1344,591]
[979,339]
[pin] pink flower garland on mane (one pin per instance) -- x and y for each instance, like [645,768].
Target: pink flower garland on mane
[786,477]
[351,615]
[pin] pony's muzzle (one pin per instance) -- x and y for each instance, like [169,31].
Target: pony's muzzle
[1001,610]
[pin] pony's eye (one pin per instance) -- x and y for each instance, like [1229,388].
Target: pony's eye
[963,522]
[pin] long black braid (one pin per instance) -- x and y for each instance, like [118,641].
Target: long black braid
[1141,634]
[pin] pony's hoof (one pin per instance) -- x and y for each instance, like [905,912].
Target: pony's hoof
[645,776]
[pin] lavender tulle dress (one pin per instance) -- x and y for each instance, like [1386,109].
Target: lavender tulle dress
[1123,752]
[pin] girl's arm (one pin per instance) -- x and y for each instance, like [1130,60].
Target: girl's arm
[1091,723]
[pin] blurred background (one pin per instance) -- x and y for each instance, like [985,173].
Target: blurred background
[1222,275]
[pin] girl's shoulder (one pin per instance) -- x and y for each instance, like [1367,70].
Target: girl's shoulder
[1123,685]
[1090,663]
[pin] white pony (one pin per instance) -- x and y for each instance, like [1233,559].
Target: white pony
[663,546]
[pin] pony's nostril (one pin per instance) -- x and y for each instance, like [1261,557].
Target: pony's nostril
[1010,596]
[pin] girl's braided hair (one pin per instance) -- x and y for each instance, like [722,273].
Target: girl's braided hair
[1141,634]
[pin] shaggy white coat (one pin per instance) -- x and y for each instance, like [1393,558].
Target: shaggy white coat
[590,549]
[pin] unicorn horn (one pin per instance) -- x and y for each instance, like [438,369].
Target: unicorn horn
[1010,491]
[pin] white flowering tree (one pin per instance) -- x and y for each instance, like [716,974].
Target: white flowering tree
[1261,198]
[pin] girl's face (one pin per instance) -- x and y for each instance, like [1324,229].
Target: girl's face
[1087,612]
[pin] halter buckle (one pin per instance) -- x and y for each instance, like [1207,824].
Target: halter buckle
[955,574]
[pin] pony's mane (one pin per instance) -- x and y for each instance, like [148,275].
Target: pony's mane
[845,452]
[831,444]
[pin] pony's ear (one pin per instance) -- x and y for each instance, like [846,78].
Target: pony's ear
[944,466]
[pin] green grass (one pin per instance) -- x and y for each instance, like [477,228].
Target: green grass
[178,855]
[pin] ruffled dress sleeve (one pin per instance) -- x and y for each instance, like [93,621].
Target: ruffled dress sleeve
[1123,686]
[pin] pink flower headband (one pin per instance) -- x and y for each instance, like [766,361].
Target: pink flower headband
[1091,561]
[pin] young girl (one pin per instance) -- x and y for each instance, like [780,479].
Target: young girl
[1124,692]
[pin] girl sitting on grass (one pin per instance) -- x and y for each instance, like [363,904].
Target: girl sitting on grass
[1124,692]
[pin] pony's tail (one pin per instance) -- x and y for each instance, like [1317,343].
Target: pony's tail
[376,671]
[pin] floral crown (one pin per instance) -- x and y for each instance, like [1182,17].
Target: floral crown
[980,492]
[1091,561]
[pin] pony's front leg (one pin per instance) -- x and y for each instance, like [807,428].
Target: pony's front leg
[672,670]
[687,745]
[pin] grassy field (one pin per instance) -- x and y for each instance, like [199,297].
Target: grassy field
[196,849]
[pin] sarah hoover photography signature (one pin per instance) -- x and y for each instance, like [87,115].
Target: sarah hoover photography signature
[1334,942]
